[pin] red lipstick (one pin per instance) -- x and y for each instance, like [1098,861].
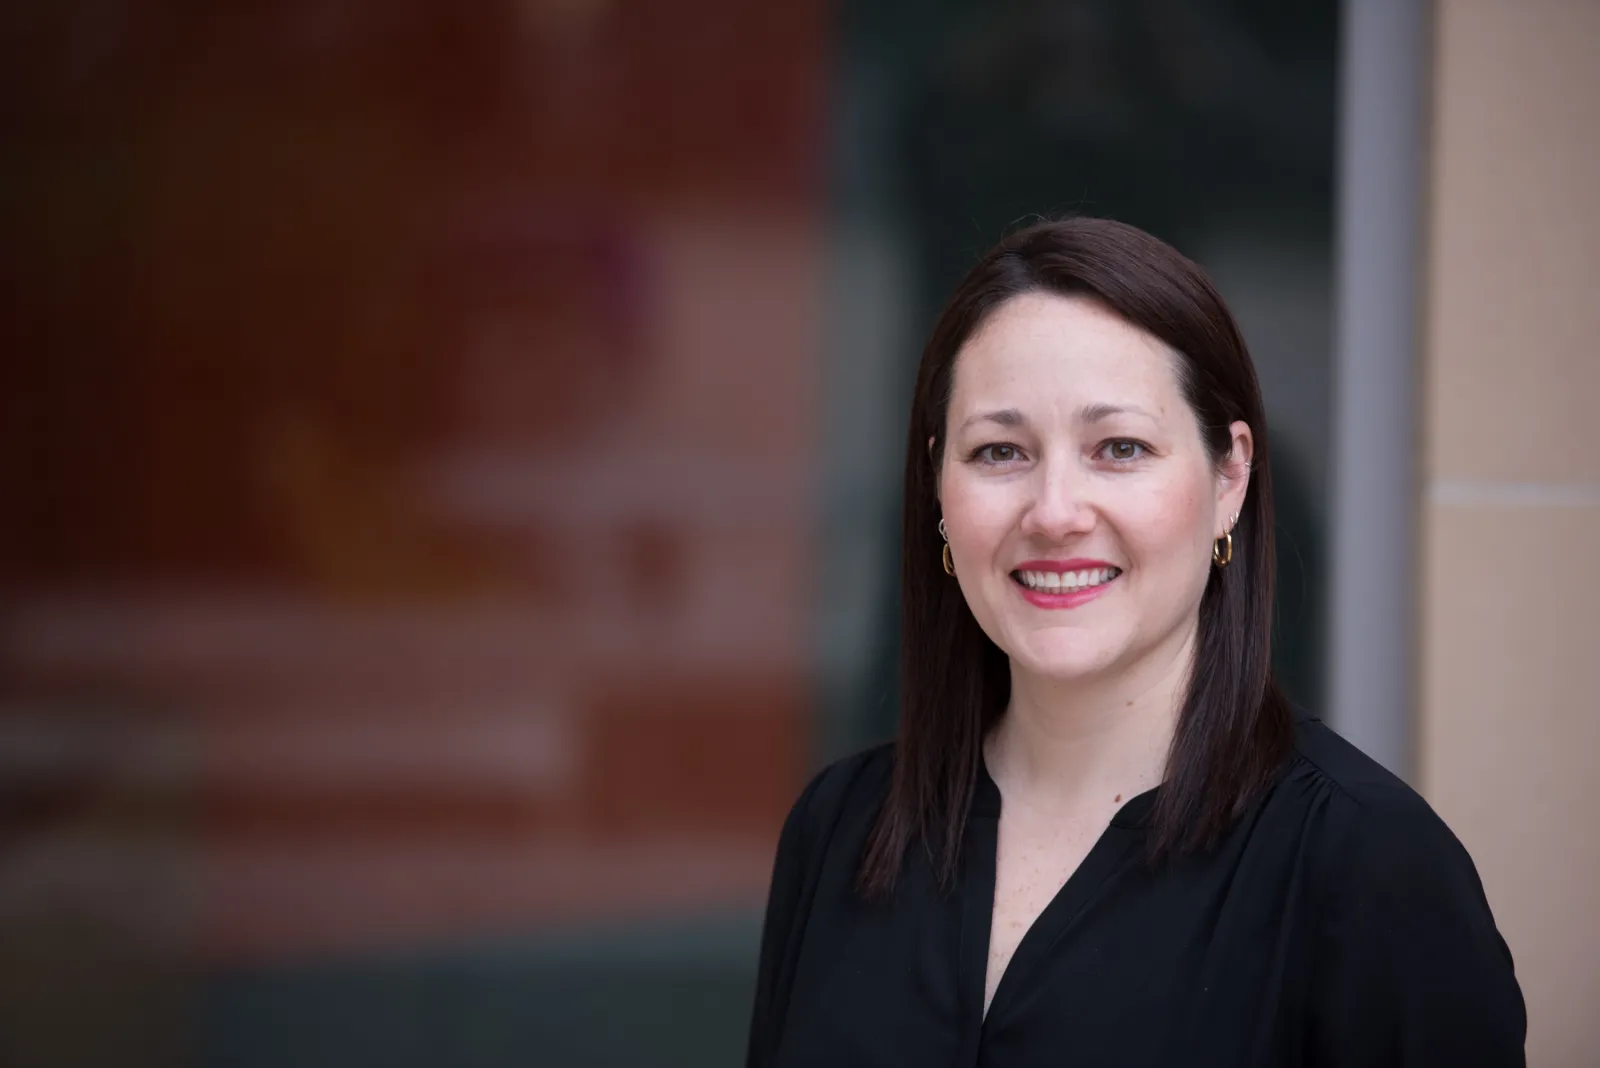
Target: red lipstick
[1061,567]
[1063,598]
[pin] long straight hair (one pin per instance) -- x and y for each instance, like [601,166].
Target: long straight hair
[1234,728]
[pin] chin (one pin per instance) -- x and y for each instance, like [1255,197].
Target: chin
[1064,662]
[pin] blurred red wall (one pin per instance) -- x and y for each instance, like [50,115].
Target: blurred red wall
[411,415]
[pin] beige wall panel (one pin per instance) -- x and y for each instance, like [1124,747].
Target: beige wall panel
[1513,316]
[1510,739]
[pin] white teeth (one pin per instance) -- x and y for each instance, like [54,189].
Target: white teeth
[1069,580]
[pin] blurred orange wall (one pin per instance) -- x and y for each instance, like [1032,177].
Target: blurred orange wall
[1510,540]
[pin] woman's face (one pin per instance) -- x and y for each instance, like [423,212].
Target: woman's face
[1080,502]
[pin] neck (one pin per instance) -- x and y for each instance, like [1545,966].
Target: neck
[1086,741]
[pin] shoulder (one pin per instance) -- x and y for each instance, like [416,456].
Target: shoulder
[1358,782]
[1409,964]
[1376,835]
[1362,792]
[852,787]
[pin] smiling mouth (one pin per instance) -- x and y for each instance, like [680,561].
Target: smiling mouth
[1065,581]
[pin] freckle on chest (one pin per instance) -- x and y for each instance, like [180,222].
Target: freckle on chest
[1029,873]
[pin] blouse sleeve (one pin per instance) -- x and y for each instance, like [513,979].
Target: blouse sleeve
[783,905]
[1412,970]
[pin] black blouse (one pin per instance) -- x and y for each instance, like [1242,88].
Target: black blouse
[1339,923]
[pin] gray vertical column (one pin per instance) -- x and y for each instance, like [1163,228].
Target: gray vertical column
[1382,159]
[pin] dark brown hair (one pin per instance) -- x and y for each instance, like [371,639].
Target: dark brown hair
[1234,729]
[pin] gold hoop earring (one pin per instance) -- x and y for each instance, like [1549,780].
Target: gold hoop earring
[1220,557]
[949,561]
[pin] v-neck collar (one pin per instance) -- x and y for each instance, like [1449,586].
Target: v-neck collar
[1125,831]
[1134,813]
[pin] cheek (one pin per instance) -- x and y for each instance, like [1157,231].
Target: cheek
[1169,527]
[976,516]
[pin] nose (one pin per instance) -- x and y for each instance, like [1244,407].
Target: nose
[1059,504]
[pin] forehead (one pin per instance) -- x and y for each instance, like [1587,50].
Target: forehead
[1046,348]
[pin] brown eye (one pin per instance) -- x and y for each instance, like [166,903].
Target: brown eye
[996,454]
[1124,450]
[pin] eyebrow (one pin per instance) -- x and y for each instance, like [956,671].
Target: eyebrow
[1089,413]
[1095,413]
[1004,417]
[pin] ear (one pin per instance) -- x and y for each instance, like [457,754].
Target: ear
[1233,476]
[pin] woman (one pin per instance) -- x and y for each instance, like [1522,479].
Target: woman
[1103,837]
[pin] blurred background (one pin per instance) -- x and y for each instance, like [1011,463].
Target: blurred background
[451,468]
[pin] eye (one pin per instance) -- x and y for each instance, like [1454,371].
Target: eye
[996,454]
[1124,450]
